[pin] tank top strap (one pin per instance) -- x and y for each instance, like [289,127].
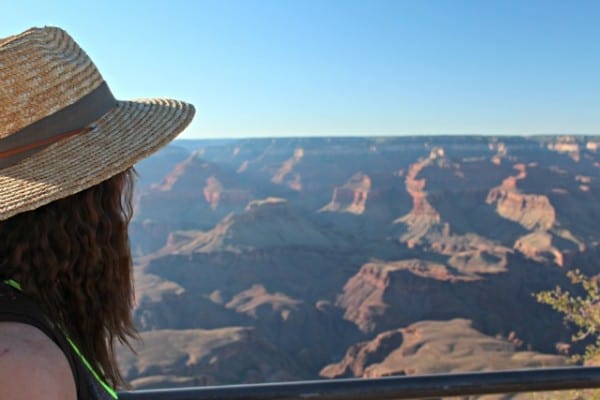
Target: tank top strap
[17,307]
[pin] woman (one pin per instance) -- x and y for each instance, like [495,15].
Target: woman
[67,148]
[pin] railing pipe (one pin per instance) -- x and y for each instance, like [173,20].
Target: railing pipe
[397,387]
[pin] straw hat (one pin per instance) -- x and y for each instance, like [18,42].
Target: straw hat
[61,130]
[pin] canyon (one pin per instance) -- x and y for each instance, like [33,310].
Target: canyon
[262,260]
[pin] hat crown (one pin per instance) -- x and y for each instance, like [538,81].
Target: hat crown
[42,71]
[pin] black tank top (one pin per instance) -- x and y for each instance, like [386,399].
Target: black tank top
[16,307]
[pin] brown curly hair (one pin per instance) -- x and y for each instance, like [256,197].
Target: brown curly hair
[73,256]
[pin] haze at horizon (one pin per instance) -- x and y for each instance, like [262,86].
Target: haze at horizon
[350,68]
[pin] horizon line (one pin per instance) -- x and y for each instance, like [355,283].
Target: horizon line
[403,135]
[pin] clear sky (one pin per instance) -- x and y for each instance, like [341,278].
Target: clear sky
[328,67]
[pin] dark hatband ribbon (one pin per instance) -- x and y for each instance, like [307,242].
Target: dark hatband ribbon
[70,121]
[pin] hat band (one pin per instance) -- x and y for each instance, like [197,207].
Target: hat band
[70,121]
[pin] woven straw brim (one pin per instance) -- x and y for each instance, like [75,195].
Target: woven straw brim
[128,133]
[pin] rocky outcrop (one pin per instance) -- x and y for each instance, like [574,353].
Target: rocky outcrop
[196,179]
[500,149]
[212,192]
[270,222]
[152,170]
[533,212]
[256,302]
[432,347]
[294,181]
[538,246]
[422,216]
[386,295]
[530,211]
[566,145]
[536,214]
[197,357]
[365,299]
[469,253]
[196,194]
[351,197]
[593,145]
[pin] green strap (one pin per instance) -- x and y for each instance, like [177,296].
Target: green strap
[110,390]
[13,283]
[91,369]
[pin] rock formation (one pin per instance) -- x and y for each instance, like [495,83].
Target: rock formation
[352,196]
[435,347]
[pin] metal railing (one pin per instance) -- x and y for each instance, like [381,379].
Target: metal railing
[398,387]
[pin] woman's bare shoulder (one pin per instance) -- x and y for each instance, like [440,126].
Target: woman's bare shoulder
[32,366]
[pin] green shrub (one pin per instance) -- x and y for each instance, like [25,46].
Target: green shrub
[581,311]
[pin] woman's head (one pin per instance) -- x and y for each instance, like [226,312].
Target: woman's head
[65,201]
[73,256]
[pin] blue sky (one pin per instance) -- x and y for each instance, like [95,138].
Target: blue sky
[326,67]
